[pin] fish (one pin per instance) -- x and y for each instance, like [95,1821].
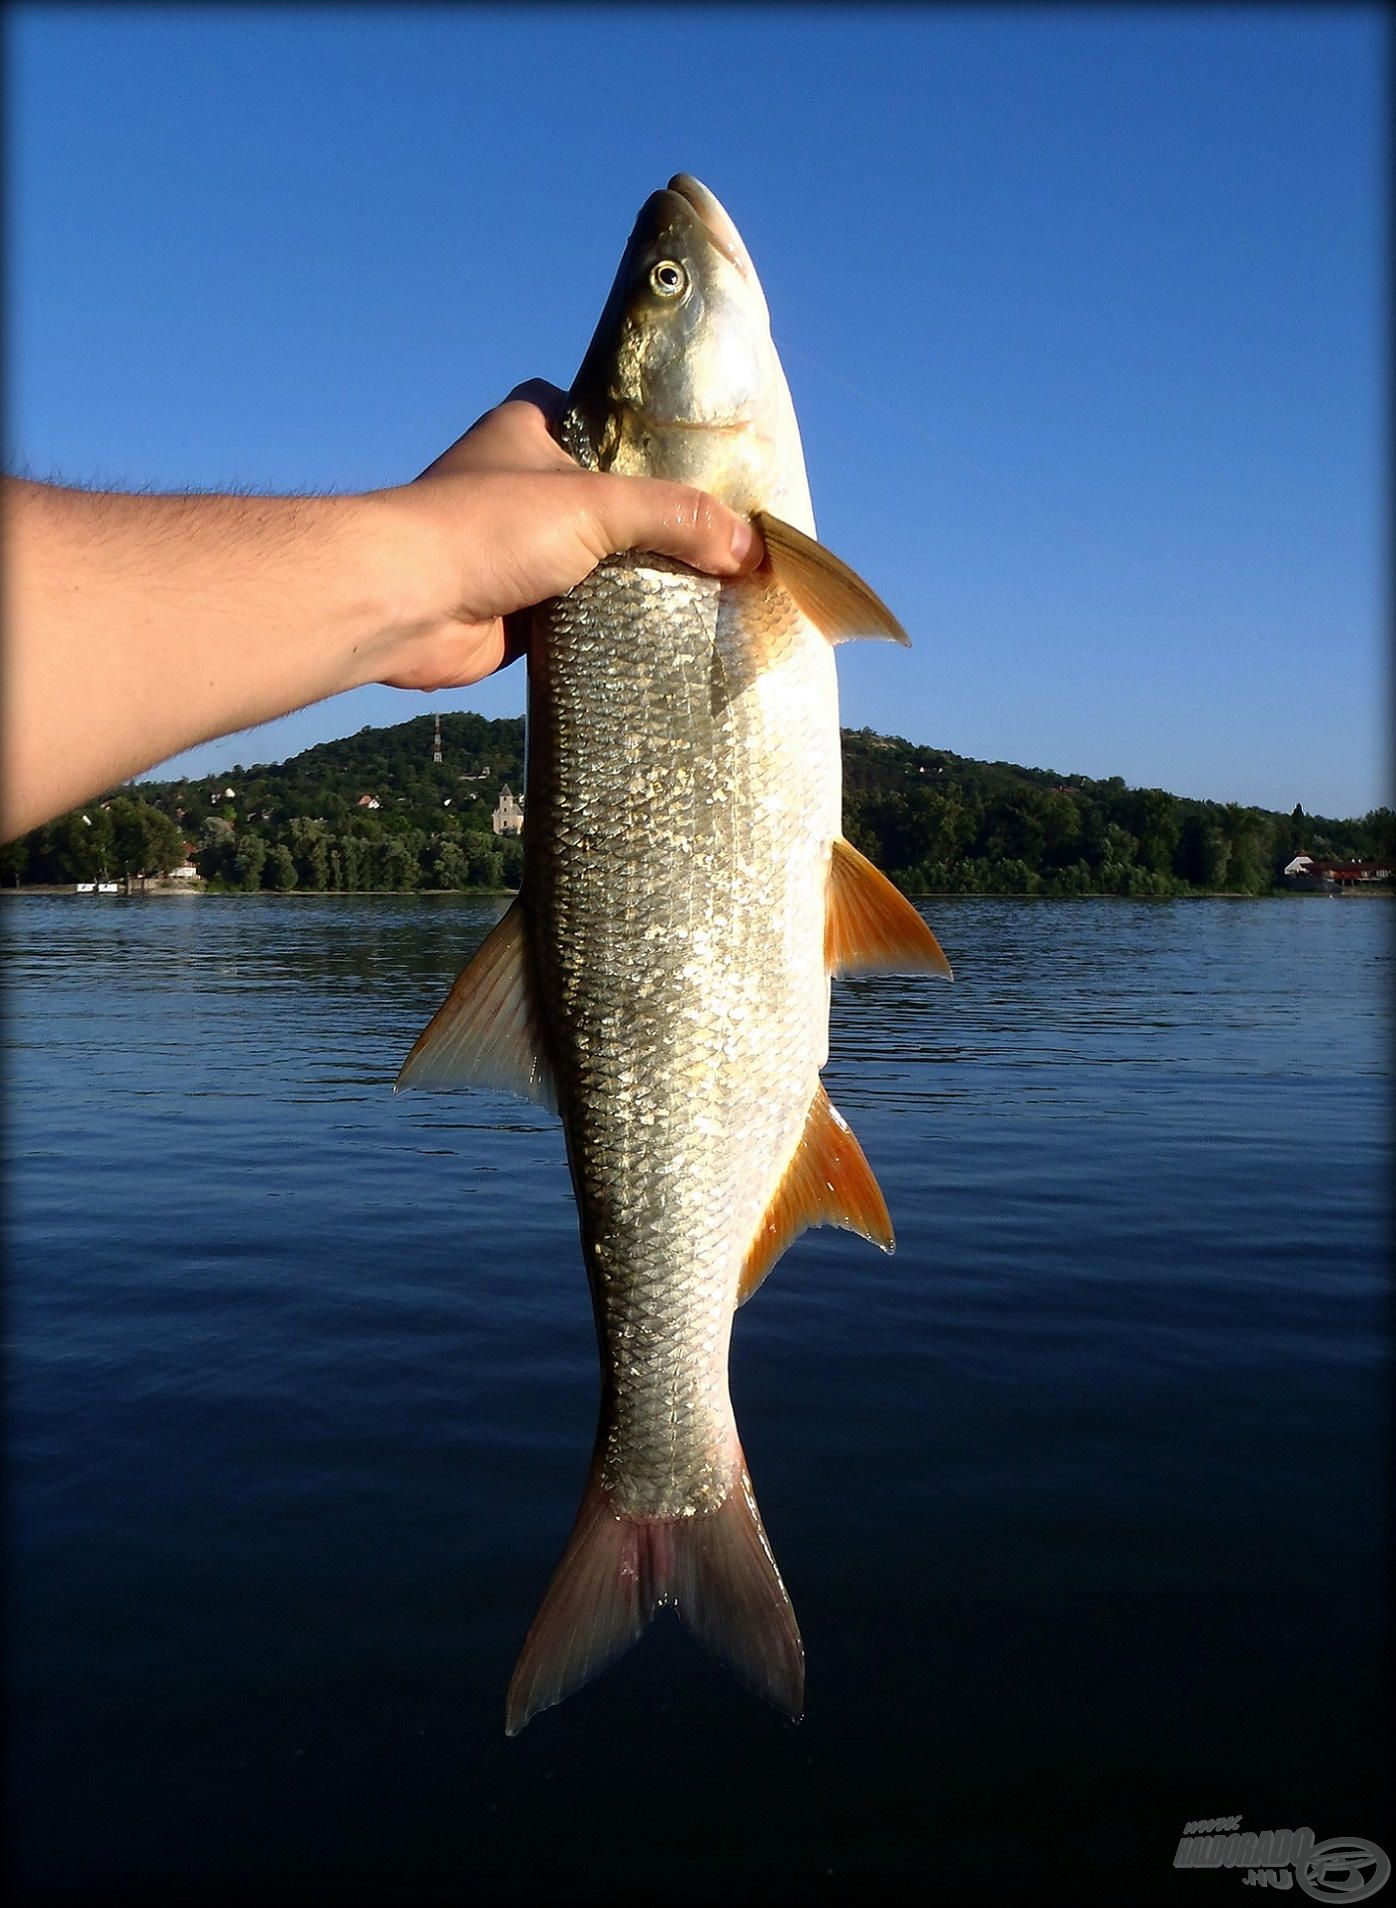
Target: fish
[662,978]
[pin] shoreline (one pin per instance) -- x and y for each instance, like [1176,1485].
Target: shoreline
[1373,893]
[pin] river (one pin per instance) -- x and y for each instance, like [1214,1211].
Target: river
[1078,1496]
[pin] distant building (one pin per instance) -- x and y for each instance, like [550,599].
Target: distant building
[1324,874]
[369,801]
[508,814]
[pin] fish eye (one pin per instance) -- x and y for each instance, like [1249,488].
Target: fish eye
[668,278]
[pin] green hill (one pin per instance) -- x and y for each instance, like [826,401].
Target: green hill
[373,811]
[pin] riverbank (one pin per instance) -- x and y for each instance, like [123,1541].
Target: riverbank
[1374,892]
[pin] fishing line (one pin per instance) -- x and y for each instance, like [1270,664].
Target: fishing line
[1082,532]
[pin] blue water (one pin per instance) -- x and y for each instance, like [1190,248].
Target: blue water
[1079,1497]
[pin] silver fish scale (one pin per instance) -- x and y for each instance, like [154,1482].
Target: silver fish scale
[683,796]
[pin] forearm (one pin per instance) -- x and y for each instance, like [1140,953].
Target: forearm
[137,626]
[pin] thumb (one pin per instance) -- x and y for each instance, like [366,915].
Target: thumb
[676,520]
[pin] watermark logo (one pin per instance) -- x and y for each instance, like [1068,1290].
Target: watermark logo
[1345,1868]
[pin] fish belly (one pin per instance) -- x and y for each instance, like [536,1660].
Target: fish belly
[683,798]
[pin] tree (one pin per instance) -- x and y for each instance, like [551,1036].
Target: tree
[144,840]
[1061,827]
[1075,878]
[216,852]
[446,864]
[279,870]
[1157,822]
[486,862]
[249,858]
[128,836]
[309,846]
[165,848]
[1013,829]
[1380,825]
[1116,852]
[1246,871]
[1202,853]
[1014,876]
[353,855]
[394,865]
[14,860]
[79,846]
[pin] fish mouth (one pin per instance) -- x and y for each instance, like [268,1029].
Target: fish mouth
[715,219]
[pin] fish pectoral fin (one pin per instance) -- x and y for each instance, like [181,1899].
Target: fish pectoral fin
[487,1031]
[835,599]
[827,1183]
[870,926]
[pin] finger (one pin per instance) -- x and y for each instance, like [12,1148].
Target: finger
[644,513]
[545,397]
[517,629]
[515,435]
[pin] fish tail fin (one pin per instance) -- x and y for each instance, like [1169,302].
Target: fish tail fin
[728,1591]
[715,1567]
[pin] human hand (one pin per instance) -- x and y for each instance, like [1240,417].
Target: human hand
[505,519]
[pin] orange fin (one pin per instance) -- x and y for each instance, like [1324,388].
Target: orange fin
[827,1183]
[487,1031]
[870,926]
[715,1567]
[835,598]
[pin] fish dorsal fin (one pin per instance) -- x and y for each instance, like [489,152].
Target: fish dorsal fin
[487,1031]
[835,599]
[870,926]
[827,1183]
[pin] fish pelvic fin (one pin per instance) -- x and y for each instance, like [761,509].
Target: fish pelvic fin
[488,1030]
[715,1568]
[827,1183]
[834,597]
[870,926]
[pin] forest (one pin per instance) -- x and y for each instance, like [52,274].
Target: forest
[373,811]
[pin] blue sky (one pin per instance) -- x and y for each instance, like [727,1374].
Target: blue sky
[1082,310]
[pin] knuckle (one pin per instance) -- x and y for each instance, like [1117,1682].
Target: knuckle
[692,513]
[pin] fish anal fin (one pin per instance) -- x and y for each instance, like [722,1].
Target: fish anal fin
[827,1183]
[870,926]
[834,597]
[487,1031]
[715,1568]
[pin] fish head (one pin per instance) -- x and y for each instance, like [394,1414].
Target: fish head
[682,379]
